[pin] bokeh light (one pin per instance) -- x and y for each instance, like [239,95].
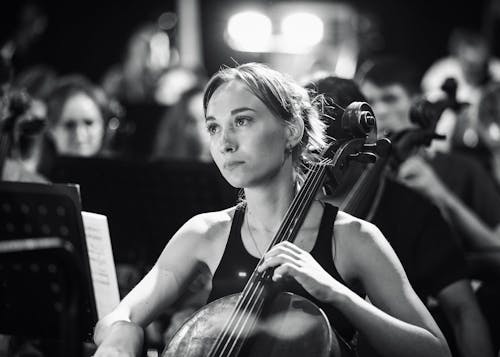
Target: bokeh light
[302,29]
[250,30]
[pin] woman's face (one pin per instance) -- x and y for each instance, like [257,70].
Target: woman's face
[247,141]
[80,129]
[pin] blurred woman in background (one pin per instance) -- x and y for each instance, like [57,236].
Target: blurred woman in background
[79,116]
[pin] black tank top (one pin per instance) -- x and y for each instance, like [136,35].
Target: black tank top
[237,265]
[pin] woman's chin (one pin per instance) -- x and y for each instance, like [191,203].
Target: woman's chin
[236,182]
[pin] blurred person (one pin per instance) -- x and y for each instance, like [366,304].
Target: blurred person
[489,125]
[489,130]
[76,117]
[80,120]
[460,187]
[147,56]
[146,82]
[21,128]
[175,81]
[37,81]
[263,129]
[16,122]
[472,65]
[182,134]
[418,233]
[19,123]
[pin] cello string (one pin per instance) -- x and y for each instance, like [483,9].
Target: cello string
[308,191]
[279,233]
[237,338]
[254,288]
[240,313]
[293,220]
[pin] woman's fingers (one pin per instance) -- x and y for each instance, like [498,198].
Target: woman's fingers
[286,269]
[285,248]
[276,260]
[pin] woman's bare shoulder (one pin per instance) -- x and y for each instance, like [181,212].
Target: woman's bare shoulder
[356,242]
[348,227]
[209,225]
[201,238]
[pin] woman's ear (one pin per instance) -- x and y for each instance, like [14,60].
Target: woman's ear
[294,132]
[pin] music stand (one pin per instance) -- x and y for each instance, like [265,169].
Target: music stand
[45,281]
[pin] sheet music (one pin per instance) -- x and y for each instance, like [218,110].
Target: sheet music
[102,265]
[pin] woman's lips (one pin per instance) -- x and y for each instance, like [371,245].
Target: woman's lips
[229,165]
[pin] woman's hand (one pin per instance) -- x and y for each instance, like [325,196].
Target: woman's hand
[124,339]
[288,260]
[113,351]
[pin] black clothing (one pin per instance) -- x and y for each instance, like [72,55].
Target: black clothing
[236,260]
[471,183]
[421,238]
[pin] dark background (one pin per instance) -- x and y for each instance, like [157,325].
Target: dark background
[90,36]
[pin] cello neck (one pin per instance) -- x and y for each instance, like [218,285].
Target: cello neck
[300,205]
[360,198]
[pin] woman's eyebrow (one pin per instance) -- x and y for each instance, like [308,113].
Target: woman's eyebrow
[233,112]
[242,109]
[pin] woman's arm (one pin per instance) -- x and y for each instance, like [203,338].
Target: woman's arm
[154,293]
[397,324]
[176,267]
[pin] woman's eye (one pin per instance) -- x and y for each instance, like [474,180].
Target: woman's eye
[212,129]
[70,125]
[240,121]
[89,122]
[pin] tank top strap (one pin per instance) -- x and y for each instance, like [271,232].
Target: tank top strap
[322,250]
[325,231]
[235,231]
[236,264]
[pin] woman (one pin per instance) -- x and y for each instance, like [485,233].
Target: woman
[79,121]
[262,126]
[77,117]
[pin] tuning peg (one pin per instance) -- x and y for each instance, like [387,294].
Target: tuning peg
[383,147]
[363,157]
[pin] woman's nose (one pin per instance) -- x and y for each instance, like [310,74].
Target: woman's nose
[228,140]
[81,133]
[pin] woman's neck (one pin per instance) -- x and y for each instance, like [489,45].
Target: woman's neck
[267,204]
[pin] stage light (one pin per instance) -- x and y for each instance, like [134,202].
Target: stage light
[250,31]
[302,30]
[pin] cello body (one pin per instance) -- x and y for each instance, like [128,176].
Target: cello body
[290,325]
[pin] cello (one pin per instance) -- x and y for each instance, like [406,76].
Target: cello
[264,319]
